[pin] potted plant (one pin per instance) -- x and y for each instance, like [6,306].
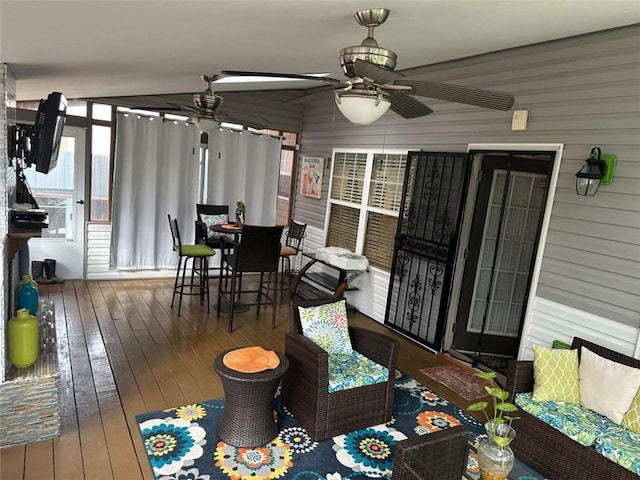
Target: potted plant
[241,210]
[495,458]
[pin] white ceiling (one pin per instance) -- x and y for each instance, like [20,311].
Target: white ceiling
[88,48]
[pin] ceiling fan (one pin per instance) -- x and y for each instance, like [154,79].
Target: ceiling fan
[207,113]
[373,87]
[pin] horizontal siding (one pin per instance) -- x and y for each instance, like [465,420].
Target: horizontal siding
[581,92]
[98,249]
[553,321]
[371,296]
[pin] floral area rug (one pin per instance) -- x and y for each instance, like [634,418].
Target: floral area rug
[181,443]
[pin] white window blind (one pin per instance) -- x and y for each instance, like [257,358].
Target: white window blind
[343,227]
[348,177]
[364,201]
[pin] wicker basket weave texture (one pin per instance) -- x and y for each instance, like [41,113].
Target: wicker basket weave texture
[548,450]
[247,420]
[305,385]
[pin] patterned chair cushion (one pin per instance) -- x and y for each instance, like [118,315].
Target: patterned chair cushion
[327,326]
[574,420]
[587,428]
[622,447]
[211,220]
[350,370]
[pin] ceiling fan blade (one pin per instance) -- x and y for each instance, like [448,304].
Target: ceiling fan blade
[310,94]
[459,94]
[378,74]
[295,76]
[188,108]
[406,106]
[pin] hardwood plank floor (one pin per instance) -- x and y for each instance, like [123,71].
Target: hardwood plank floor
[123,351]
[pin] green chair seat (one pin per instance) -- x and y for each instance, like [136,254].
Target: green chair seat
[199,268]
[197,250]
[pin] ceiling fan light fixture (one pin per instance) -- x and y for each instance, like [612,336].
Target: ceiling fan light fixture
[362,108]
[206,124]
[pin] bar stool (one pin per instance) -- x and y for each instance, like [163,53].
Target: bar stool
[291,248]
[201,267]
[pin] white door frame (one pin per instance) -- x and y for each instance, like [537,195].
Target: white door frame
[61,249]
[465,229]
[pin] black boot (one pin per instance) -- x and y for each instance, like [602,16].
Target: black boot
[37,273]
[50,271]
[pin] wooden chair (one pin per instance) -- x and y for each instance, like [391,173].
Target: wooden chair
[305,385]
[256,252]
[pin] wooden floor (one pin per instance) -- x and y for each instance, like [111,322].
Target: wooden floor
[124,351]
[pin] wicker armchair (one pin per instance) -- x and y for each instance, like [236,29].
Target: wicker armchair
[305,385]
[440,455]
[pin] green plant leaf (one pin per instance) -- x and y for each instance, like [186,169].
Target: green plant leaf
[477,406]
[506,407]
[501,441]
[486,375]
[497,392]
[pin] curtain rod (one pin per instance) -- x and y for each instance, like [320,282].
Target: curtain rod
[188,122]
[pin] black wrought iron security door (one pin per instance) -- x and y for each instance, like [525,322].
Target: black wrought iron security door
[425,245]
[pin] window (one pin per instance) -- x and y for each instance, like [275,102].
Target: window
[364,203]
[100,173]
[100,111]
[54,191]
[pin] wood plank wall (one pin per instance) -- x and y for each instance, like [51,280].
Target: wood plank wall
[581,92]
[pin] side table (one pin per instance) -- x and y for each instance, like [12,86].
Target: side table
[247,420]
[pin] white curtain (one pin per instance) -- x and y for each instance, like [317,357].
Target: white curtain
[244,166]
[156,173]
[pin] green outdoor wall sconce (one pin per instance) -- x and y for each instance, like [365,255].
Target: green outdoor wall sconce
[598,170]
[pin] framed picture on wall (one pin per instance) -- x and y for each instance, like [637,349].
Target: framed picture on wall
[312,169]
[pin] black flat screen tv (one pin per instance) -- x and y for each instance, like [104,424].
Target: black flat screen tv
[47,132]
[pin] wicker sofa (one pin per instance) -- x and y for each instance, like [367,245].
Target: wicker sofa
[550,451]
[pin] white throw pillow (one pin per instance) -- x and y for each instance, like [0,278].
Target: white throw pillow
[607,387]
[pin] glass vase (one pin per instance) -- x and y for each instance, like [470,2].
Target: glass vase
[495,457]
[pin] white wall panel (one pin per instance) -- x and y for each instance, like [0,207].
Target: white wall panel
[98,249]
[553,321]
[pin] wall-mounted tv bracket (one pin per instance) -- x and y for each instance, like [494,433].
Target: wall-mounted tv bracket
[20,140]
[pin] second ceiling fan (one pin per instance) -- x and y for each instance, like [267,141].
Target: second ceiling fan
[208,114]
[373,87]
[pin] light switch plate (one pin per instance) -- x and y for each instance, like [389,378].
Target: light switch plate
[519,120]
